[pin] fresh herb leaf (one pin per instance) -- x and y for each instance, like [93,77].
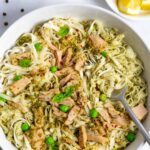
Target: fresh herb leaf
[54,147]
[68,91]
[64,108]
[17,77]
[4,98]
[23,39]
[64,30]
[58,98]
[104,54]
[61,96]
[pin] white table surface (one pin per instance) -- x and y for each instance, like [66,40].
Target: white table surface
[13,13]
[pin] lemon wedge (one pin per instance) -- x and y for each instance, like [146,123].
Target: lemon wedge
[130,7]
[145,5]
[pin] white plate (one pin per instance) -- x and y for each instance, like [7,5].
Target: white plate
[113,5]
[27,22]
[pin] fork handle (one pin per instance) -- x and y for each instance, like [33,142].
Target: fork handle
[136,120]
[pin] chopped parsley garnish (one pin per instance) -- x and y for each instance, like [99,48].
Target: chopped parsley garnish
[3,98]
[17,77]
[61,96]
[104,54]
[58,98]
[64,30]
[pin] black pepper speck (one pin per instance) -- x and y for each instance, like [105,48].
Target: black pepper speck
[6,1]
[5,23]
[22,10]
[4,13]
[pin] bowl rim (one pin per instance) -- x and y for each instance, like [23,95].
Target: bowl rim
[74,5]
[29,14]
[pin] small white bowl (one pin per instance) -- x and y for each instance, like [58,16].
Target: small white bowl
[142,16]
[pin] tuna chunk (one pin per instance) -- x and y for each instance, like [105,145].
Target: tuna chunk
[38,137]
[72,115]
[38,71]
[111,110]
[140,111]
[52,47]
[68,57]
[72,83]
[46,96]
[58,55]
[102,131]
[82,100]
[99,127]
[18,106]
[105,115]
[79,64]
[38,117]
[67,79]
[65,71]
[58,113]
[71,142]
[95,137]
[82,137]
[121,120]
[69,102]
[20,85]
[97,42]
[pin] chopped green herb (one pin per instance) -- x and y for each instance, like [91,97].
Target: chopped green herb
[54,147]
[131,137]
[17,77]
[58,98]
[25,63]
[24,39]
[93,113]
[4,98]
[49,140]
[7,1]
[38,47]
[104,54]
[25,127]
[103,97]
[53,69]
[64,30]
[61,96]
[64,108]
[68,91]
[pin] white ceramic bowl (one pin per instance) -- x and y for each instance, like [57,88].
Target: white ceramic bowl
[113,5]
[27,22]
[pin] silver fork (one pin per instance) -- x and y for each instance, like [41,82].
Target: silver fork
[120,95]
